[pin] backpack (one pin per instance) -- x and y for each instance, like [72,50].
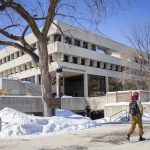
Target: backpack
[134,109]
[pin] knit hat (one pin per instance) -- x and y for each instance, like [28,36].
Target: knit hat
[135,96]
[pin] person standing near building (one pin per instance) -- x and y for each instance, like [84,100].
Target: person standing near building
[136,111]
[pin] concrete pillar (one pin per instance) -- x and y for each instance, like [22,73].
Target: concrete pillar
[9,71]
[37,79]
[11,56]
[3,60]
[33,64]
[87,62]
[5,73]
[58,85]
[102,65]
[28,65]
[108,66]
[13,70]
[114,67]
[54,57]
[20,53]
[94,63]
[106,84]
[85,85]
[22,67]
[18,68]
[70,58]
[118,68]
[15,55]
[79,60]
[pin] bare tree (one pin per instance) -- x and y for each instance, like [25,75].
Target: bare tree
[140,39]
[19,17]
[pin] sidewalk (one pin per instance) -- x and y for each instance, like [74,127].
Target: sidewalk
[105,137]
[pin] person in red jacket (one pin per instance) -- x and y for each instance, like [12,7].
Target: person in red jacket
[136,110]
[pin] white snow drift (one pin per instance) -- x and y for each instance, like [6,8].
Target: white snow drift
[15,123]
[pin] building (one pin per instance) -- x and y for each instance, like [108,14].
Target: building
[91,65]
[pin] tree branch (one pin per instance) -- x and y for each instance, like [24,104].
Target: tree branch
[24,14]
[50,16]
[10,26]
[8,35]
[24,32]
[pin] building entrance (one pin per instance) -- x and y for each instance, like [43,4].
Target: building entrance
[73,86]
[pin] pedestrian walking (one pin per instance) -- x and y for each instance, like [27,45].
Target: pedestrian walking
[136,111]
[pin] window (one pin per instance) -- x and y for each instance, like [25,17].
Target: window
[4,59]
[48,39]
[98,64]
[0,61]
[91,63]
[51,59]
[25,67]
[96,85]
[22,53]
[17,54]
[77,42]
[82,61]
[85,45]
[66,59]
[8,58]
[74,60]
[57,37]
[104,66]
[68,40]
[93,47]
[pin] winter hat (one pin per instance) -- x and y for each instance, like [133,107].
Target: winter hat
[135,96]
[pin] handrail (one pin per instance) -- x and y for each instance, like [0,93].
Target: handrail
[32,88]
[126,112]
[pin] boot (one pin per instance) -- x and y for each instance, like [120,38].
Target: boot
[128,137]
[141,138]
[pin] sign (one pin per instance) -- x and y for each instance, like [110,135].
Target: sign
[55,103]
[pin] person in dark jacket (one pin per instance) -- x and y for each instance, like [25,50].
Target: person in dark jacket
[88,111]
[136,118]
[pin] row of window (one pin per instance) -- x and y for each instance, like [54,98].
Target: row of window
[11,57]
[87,45]
[108,66]
[75,42]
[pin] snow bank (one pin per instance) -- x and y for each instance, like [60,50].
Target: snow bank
[15,123]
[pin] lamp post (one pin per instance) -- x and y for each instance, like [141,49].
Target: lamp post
[58,84]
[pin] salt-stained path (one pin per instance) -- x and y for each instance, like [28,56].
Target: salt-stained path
[105,137]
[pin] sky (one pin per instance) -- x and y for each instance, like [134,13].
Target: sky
[118,26]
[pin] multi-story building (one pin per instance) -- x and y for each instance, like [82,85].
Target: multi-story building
[91,64]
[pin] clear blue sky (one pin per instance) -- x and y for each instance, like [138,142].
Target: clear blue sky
[118,25]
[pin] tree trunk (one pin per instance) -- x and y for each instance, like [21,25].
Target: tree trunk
[45,77]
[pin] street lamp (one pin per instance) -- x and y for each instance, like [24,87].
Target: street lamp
[58,84]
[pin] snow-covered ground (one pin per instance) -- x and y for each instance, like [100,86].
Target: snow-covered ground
[15,123]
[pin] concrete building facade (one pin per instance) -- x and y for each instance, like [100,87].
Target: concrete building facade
[91,65]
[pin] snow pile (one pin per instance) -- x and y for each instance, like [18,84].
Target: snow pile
[15,123]
[146,117]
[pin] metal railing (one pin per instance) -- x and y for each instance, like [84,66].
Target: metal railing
[32,88]
[126,114]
